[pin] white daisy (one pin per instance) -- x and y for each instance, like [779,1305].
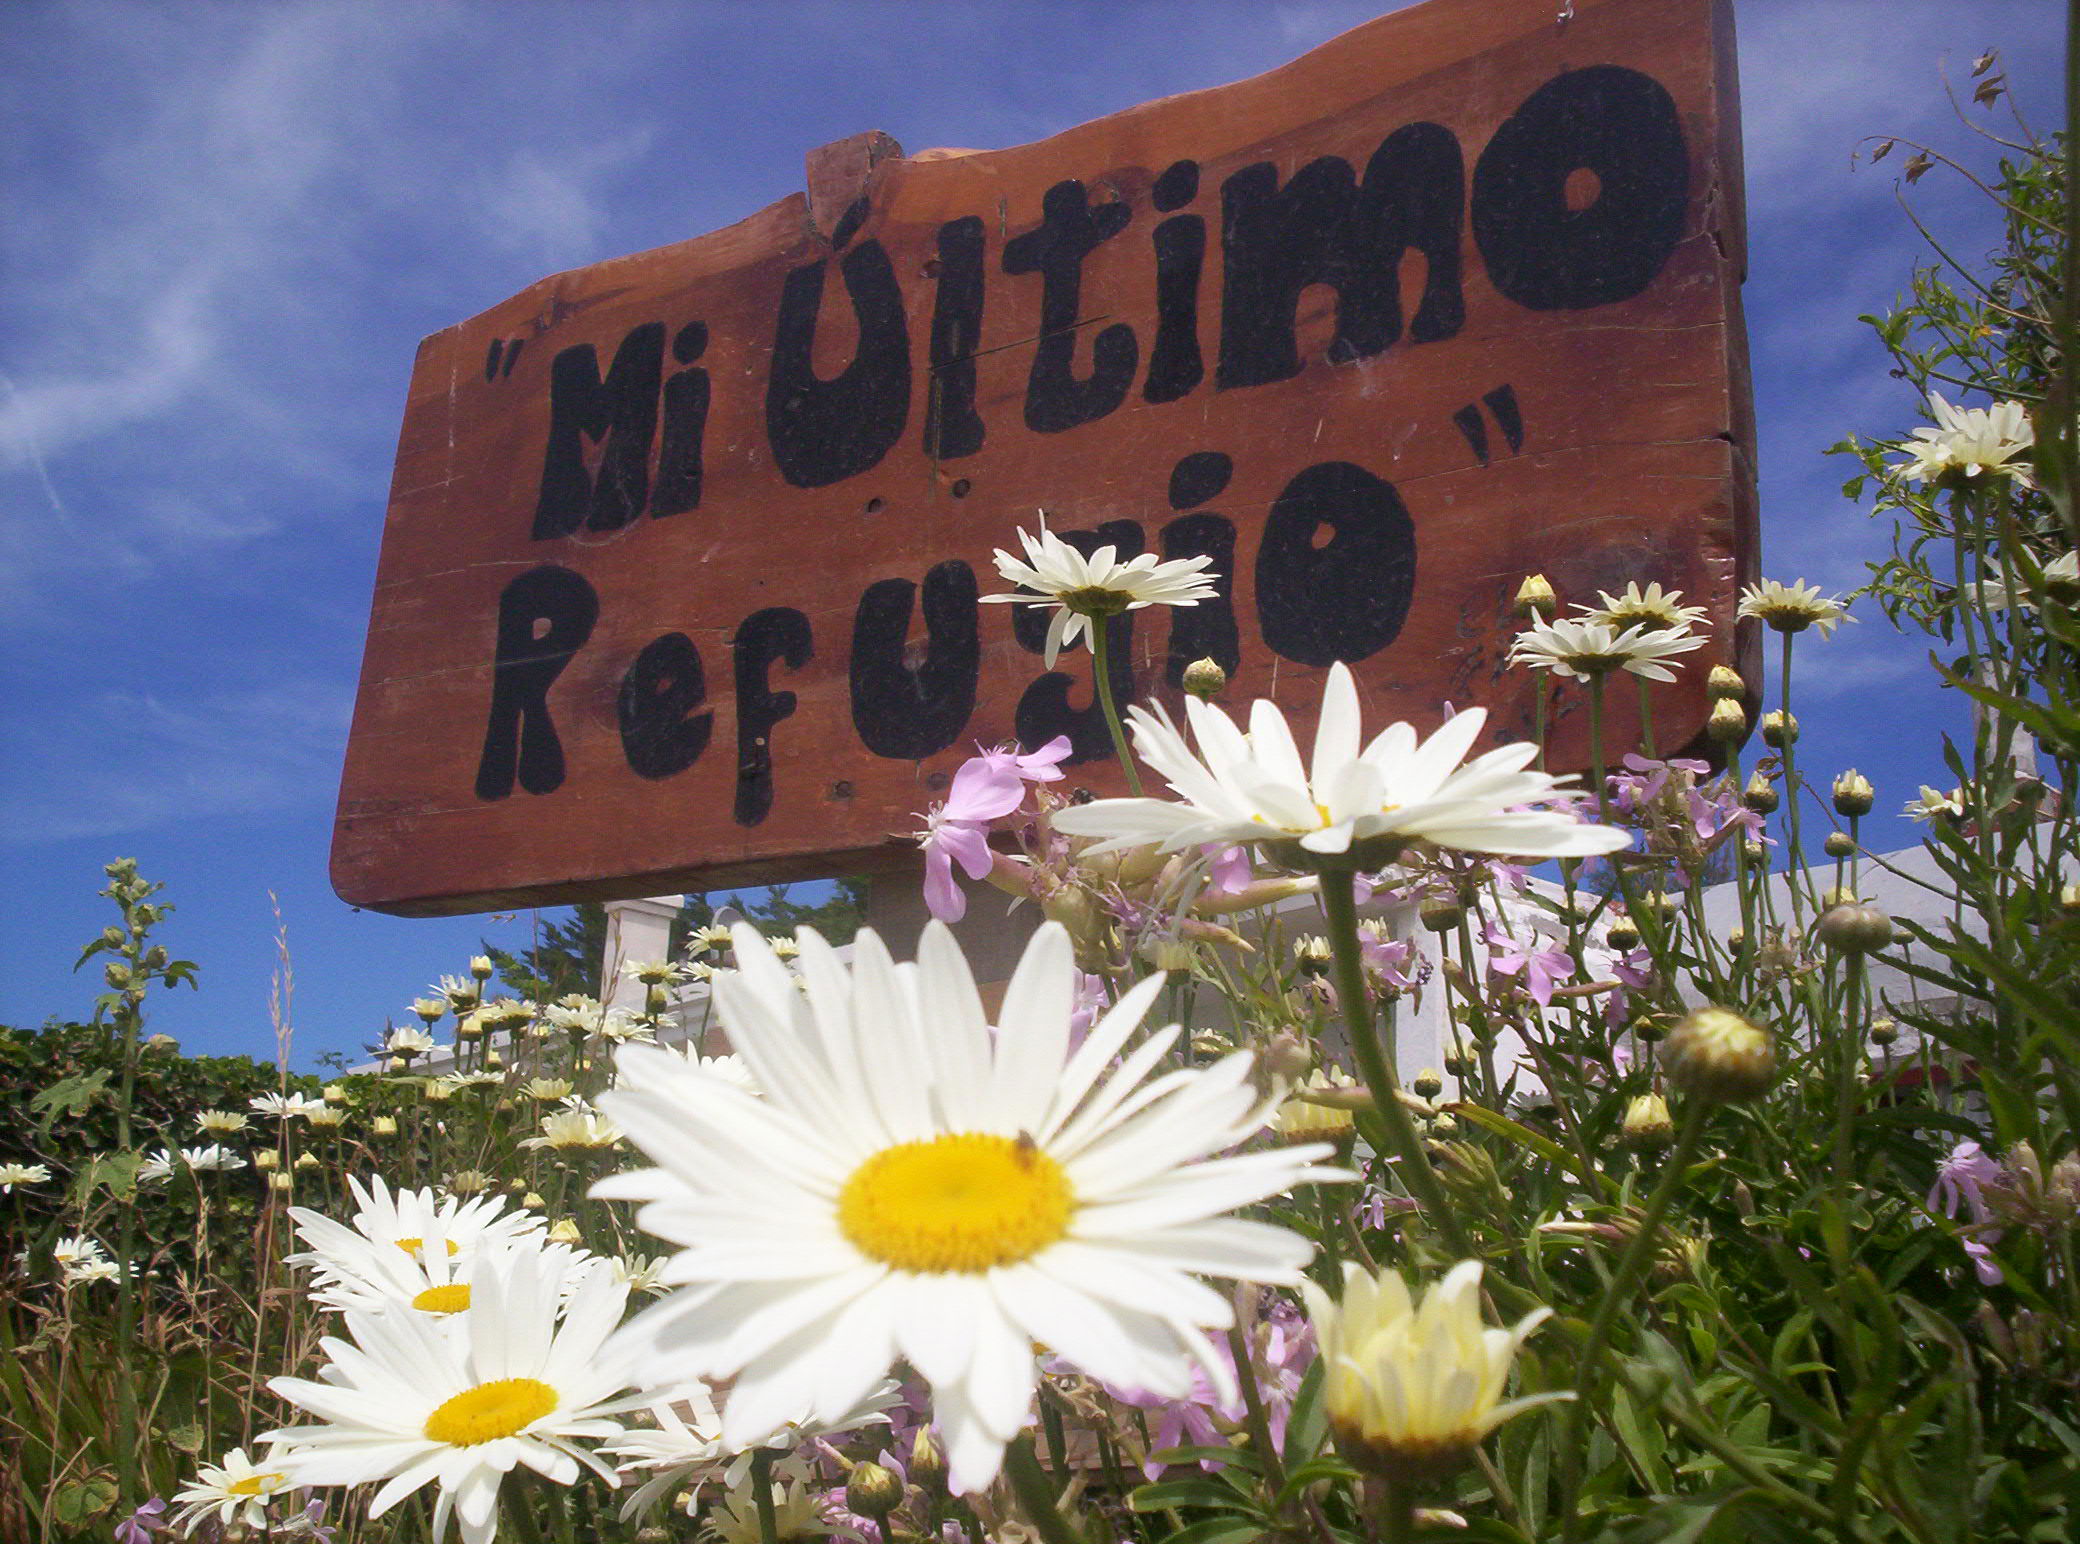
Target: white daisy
[405,1404]
[221,1123]
[1792,608]
[403,1218]
[575,1128]
[284,1106]
[1969,440]
[408,1041]
[76,1249]
[13,1174]
[1098,586]
[199,1160]
[798,1513]
[98,1269]
[1582,648]
[914,1184]
[1651,607]
[1933,802]
[730,1069]
[1253,788]
[235,1491]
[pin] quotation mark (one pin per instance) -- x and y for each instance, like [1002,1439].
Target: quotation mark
[1502,402]
[494,370]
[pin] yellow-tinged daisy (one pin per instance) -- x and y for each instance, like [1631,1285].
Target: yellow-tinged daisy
[404,1403]
[13,1174]
[575,1129]
[1254,787]
[1084,589]
[1792,608]
[1582,648]
[1968,441]
[1412,1388]
[1652,607]
[221,1123]
[236,1491]
[915,1183]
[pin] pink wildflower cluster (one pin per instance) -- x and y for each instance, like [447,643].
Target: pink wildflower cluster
[987,787]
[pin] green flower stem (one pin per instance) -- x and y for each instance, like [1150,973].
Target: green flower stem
[1596,767]
[1255,1416]
[1036,1493]
[762,1495]
[1646,716]
[1631,1267]
[1845,1073]
[1397,1513]
[1340,908]
[1101,673]
[1795,873]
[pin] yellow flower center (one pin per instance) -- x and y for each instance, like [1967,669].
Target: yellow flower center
[960,1202]
[452,1298]
[254,1485]
[412,1246]
[490,1411]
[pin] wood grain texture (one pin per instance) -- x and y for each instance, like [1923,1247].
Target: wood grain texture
[891,375]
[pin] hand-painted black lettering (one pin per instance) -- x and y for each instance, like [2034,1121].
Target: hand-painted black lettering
[1178,186]
[1509,418]
[685,421]
[1207,630]
[498,347]
[824,431]
[849,222]
[904,711]
[776,633]
[1070,231]
[1175,365]
[512,357]
[1323,227]
[952,427]
[1346,599]
[1414,195]
[1200,476]
[1623,127]
[544,617]
[660,733]
[1468,418]
[622,409]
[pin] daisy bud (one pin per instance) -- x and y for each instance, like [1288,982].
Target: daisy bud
[431,1009]
[1458,1058]
[1737,939]
[1839,844]
[1728,723]
[1853,929]
[162,1043]
[383,1126]
[533,1201]
[1760,795]
[280,1181]
[437,1093]
[872,1491]
[306,1160]
[335,1093]
[1838,895]
[1535,597]
[1648,1125]
[1623,935]
[266,1158]
[564,1231]
[927,1460]
[1779,729]
[1715,1054]
[1441,914]
[1428,1083]
[117,974]
[1724,682]
[1313,955]
[2069,898]
[1752,850]
[1853,794]
[470,1028]
[480,966]
[1205,679]
[1646,1028]
[1172,956]
[113,937]
[1883,1032]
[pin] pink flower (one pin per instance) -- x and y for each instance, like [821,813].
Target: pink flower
[1228,869]
[987,787]
[1961,1178]
[1542,969]
[1039,766]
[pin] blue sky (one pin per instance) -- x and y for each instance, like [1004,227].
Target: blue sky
[234,222]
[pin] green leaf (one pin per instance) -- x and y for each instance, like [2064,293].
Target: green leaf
[77,1502]
[1307,1424]
[117,1171]
[71,1096]
[1240,1458]
[1165,1494]
[1218,1530]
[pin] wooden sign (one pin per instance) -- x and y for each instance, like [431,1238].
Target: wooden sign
[679,582]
